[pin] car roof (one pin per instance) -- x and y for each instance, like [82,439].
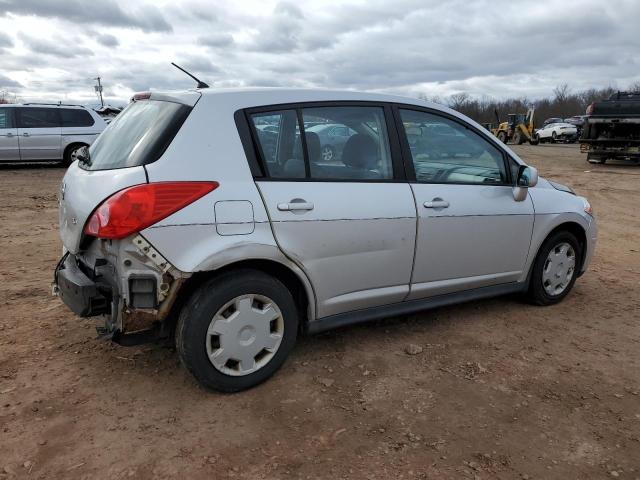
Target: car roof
[255,97]
[43,105]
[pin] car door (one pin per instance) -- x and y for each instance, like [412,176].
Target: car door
[9,145]
[472,233]
[39,129]
[350,224]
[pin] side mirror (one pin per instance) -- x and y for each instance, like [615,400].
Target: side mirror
[527,177]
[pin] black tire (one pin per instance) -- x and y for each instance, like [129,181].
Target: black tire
[554,137]
[196,315]
[537,293]
[502,136]
[518,139]
[68,153]
[534,139]
[595,159]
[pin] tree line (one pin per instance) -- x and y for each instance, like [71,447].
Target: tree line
[563,104]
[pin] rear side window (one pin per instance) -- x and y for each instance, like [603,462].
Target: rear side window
[76,117]
[33,117]
[6,118]
[334,143]
[138,136]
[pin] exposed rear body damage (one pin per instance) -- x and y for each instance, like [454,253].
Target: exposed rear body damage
[219,219]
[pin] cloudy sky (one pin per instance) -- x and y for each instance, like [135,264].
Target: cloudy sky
[52,50]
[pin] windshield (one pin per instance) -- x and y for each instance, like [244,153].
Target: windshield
[139,135]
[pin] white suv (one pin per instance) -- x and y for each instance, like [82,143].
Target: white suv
[213,217]
[40,132]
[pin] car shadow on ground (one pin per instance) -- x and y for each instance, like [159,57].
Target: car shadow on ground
[30,166]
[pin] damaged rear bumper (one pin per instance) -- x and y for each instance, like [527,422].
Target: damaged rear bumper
[133,296]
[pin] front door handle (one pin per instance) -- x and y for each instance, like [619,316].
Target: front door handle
[25,134]
[295,206]
[436,203]
[9,134]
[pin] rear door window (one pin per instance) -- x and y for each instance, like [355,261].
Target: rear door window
[334,143]
[76,117]
[280,143]
[34,117]
[6,118]
[138,136]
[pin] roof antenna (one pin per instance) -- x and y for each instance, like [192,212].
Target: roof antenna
[201,84]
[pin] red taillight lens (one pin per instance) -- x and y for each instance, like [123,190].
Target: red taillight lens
[135,208]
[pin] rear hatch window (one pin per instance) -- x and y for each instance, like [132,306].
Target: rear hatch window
[138,136]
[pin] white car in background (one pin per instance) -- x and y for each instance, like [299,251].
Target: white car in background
[557,132]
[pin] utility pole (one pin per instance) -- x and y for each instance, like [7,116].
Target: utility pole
[98,89]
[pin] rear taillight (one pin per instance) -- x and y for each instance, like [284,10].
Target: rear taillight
[135,208]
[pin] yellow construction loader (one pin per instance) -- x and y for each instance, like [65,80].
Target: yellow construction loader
[519,128]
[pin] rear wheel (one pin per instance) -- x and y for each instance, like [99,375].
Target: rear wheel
[555,269]
[237,330]
[71,153]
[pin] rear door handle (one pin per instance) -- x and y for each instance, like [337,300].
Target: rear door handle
[436,203]
[25,134]
[9,134]
[295,206]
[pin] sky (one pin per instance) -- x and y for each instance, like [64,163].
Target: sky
[53,50]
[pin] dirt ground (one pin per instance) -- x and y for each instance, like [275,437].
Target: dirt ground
[501,389]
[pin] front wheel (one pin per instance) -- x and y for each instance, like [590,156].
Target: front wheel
[554,137]
[534,139]
[555,269]
[237,330]
[502,136]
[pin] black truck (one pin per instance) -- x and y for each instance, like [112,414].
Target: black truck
[612,129]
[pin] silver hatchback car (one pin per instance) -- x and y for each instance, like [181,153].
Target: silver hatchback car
[213,217]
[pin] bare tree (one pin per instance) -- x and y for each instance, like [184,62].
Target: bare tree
[635,87]
[561,92]
[562,104]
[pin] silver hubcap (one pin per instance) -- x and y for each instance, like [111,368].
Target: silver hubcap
[244,334]
[327,154]
[559,269]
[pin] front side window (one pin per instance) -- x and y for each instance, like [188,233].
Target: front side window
[75,117]
[33,117]
[6,118]
[445,151]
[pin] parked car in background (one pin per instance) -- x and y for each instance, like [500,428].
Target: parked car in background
[578,121]
[36,132]
[552,120]
[233,249]
[333,138]
[558,132]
